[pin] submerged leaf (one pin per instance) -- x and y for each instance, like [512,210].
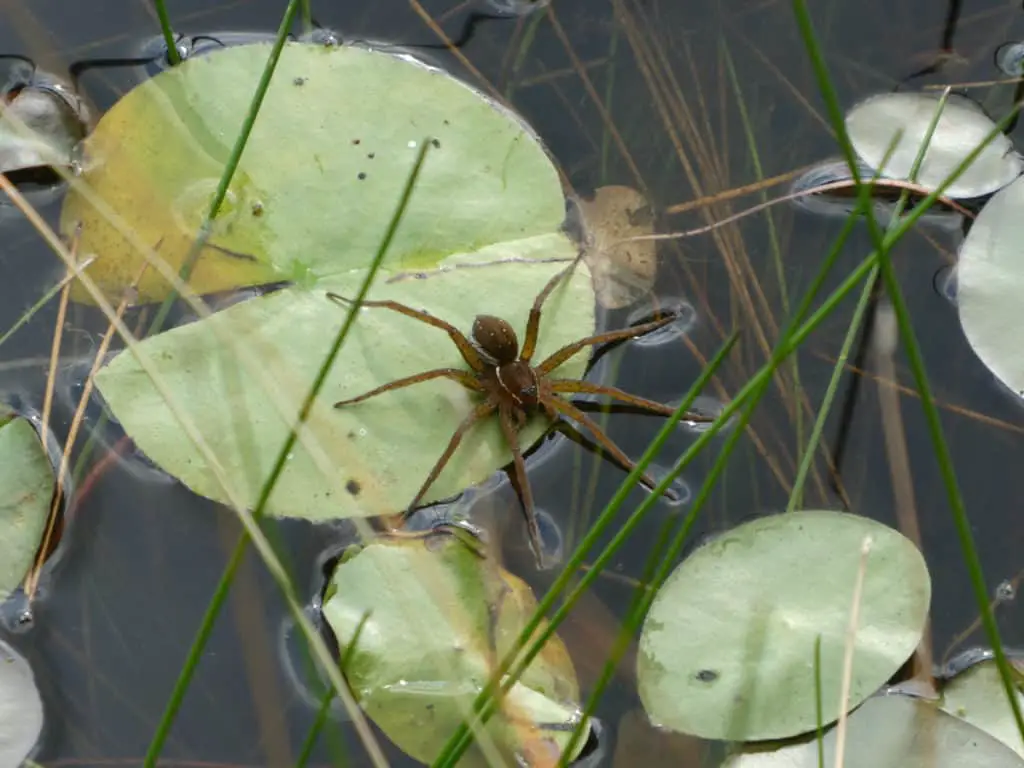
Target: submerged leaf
[889,732]
[434,617]
[21,708]
[623,271]
[320,176]
[875,123]
[727,649]
[27,485]
[378,451]
[39,127]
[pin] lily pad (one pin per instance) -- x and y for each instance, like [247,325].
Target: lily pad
[434,616]
[26,485]
[976,695]
[890,732]
[378,452]
[875,123]
[990,283]
[320,176]
[727,650]
[21,708]
[482,235]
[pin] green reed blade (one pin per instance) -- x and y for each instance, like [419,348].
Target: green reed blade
[224,585]
[165,28]
[206,228]
[959,512]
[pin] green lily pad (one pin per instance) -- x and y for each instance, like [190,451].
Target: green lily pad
[727,650]
[434,616]
[21,708]
[976,695]
[27,485]
[890,732]
[381,449]
[321,173]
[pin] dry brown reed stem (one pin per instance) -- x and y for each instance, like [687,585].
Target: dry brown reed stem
[848,651]
[32,580]
[259,540]
[885,338]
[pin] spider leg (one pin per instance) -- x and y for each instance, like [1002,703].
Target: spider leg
[483,410]
[526,494]
[559,357]
[568,409]
[574,385]
[469,353]
[464,378]
[533,323]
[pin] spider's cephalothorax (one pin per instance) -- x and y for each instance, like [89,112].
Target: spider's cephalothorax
[509,383]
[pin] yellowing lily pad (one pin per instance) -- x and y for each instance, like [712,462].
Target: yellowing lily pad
[727,650]
[481,235]
[26,490]
[318,181]
[434,616]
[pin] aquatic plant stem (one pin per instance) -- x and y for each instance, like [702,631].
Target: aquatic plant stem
[206,228]
[165,28]
[224,585]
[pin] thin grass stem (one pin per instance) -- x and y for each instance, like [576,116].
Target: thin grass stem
[224,585]
[165,29]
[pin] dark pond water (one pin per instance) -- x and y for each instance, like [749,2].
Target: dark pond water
[645,93]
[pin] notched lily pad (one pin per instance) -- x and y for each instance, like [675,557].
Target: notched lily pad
[890,732]
[727,650]
[435,619]
[26,490]
[320,176]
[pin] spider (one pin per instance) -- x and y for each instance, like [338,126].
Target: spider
[509,382]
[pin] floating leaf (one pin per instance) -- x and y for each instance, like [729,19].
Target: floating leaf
[990,283]
[27,485]
[977,695]
[623,271]
[21,708]
[434,616]
[875,123]
[890,732]
[320,175]
[381,449]
[727,649]
[482,235]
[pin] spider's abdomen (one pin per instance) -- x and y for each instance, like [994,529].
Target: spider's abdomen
[496,339]
[519,382]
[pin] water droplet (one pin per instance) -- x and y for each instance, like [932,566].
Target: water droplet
[411,145]
[362,432]
[679,492]
[685,314]
[945,283]
[1006,592]
[324,37]
[1010,58]
[705,406]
